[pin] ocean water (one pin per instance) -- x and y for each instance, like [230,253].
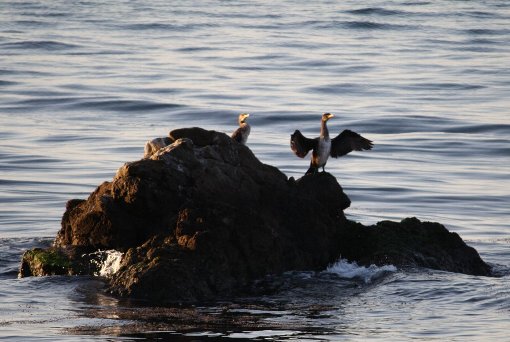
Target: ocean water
[83,85]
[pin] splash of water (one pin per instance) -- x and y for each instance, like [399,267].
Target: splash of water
[111,264]
[107,262]
[349,270]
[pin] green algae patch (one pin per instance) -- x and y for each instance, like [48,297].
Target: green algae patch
[51,258]
[40,262]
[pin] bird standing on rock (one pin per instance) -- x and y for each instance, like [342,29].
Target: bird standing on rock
[323,147]
[241,134]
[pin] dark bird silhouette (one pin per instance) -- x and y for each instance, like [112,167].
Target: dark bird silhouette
[241,134]
[323,147]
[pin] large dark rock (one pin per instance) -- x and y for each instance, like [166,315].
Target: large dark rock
[203,218]
[410,243]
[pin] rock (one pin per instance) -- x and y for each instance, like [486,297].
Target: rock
[202,218]
[199,136]
[68,260]
[411,243]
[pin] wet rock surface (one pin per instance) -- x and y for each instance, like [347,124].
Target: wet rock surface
[411,243]
[202,218]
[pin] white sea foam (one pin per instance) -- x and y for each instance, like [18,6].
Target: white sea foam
[111,264]
[352,270]
[108,262]
[261,334]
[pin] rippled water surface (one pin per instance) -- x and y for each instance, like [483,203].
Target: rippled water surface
[83,85]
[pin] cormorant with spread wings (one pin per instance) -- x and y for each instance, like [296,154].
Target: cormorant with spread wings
[323,147]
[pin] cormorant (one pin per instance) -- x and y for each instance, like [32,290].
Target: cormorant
[323,147]
[241,134]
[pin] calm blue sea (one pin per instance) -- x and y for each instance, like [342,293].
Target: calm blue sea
[84,84]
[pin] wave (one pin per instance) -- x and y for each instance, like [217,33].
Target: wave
[481,14]
[167,27]
[125,105]
[196,49]
[34,23]
[39,45]
[358,89]
[486,32]
[94,104]
[376,11]
[7,83]
[357,25]
[345,269]
[443,86]
[370,25]
[480,128]
[416,3]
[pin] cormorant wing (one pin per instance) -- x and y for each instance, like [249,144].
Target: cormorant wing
[348,141]
[301,145]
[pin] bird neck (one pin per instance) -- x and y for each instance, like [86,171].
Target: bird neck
[324,130]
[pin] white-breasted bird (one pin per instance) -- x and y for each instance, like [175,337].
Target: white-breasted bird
[241,134]
[323,147]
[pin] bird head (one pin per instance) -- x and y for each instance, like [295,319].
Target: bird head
[243,117]
[327,116]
